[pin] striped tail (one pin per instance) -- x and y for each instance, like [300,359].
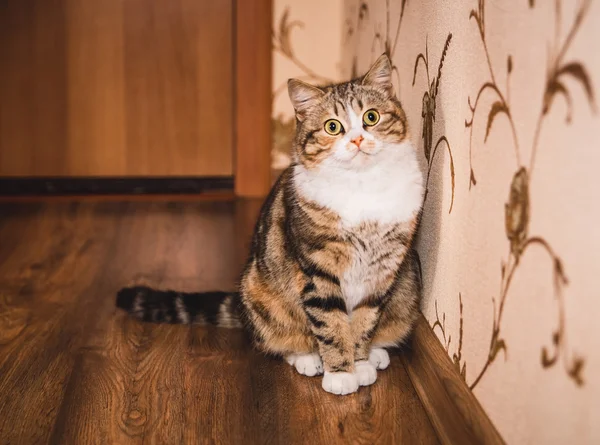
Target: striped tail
[167,306]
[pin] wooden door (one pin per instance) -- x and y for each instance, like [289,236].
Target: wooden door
[116,88]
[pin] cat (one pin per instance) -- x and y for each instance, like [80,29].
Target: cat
[332,279]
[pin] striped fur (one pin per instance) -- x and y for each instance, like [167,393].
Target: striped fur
[293,286]
[331,277]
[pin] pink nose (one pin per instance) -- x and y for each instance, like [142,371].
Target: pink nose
[358,140]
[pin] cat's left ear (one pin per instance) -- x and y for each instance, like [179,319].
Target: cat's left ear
[380,74]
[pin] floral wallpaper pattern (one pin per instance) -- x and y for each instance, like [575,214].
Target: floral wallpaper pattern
[517,208]
[428,115]
[501,97]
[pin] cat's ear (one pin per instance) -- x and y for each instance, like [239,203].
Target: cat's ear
[303,96]
[380,74]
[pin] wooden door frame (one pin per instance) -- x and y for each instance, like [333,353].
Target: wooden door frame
[252,68]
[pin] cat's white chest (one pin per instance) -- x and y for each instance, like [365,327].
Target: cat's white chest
[389,192]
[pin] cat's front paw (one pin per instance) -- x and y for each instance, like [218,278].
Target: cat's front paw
[340,383]
[379,358]
[365,373]
[306,364]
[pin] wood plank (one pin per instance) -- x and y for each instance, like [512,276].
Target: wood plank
[112,382]
[253,22]
[453,410]
[386,412]
[42,314]
[128,376]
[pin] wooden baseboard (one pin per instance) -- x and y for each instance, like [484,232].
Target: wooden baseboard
[453,410]
[159,197]
[109,186]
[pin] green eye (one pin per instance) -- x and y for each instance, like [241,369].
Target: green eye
[371,117]
[333,127]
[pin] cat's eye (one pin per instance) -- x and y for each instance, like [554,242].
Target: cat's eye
[333,127]
[371,117]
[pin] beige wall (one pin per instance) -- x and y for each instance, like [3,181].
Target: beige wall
[306,45]
[513,298]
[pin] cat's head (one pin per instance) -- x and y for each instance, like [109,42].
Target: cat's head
[349,125]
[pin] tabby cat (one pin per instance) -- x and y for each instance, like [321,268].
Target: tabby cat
[331,279]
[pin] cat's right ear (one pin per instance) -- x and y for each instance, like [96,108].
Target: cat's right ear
[303,96]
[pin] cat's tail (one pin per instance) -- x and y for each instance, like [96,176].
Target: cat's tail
[167,306]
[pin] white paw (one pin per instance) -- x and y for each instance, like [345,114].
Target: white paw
[365,373]
[341,383]
[379,358]
[306,364]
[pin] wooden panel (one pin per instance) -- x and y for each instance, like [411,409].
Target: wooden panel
[116,88]
[33,90]
[455,413]
[253,100]
[179,94]
[215,62]
[95,88]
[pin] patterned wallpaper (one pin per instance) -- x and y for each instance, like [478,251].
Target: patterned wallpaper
[502,99]
[306,45]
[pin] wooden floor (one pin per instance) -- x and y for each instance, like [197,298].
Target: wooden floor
[74,370]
